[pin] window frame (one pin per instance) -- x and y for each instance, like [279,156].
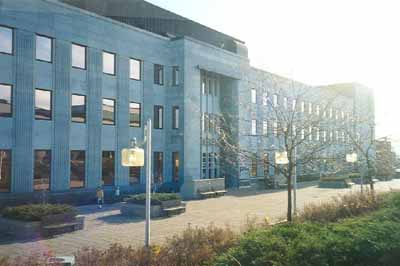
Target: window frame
[175,77]
[51,47]
[253,96]
[86,56]
[175,172]
[34,167]
[160,167]
[114,111]
[175,117]
[140,68]
[140,115]
[84,178]
[114,168]
[12,39]
[253,130]
[162,117]
[11,100]
[51,105]
[115,63]
[10,151]
[77,94]
[159,67]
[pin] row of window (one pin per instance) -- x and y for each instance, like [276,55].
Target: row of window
[312,133]
[43,109]
[42,169]
[310,108]
[44,52]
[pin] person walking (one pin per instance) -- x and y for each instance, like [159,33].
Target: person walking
[100,197]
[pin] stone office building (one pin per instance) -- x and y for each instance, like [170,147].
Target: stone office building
[78,80]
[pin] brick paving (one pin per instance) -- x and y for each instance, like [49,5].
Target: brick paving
[106,226]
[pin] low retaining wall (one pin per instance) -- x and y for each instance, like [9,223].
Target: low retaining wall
[139,210]
[190,187]
[334,184]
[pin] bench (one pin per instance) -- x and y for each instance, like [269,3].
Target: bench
[173,207]
[207,194]
[59,224]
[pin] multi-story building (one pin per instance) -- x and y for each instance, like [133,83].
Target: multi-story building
[385,159]
[79,79]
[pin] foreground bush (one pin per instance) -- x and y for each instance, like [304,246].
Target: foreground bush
[35,212]
[156,198]
[372,240]
[345,206]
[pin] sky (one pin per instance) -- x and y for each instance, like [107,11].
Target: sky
[317,42]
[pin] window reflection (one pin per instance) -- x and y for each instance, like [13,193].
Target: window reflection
[134,175]
[42,171]
[158,168]
[78,56]
[134,114]
[78,108]
[175,166]
[159,74]
[5,100]
[135,69]
[108,112]
[6,40]
[77,179]
[108,168]
[5,171]
[42,104]
[158,117]
[43,48]
[109,63]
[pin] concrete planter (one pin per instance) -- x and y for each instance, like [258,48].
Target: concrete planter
[25,230]
[139,210]
[333,184]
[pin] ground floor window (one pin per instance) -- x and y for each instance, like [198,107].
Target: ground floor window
[175,166]
[42,171]
[5,171]
[253,170]
[108,168]
[158,168]
[77,178]
[266,165]
[134,175]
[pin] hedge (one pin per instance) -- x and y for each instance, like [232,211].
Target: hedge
[35,212]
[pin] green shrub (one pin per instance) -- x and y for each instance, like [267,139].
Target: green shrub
[334,178]
[354,175]
[35,212]
[156,198]
[308,178]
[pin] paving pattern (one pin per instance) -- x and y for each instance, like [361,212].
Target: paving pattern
[106,226]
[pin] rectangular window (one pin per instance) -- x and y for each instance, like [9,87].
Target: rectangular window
[265,127]
[78,56]
[253,127]
[254,165]
[275,100]
[253,96]
[285,102]
[266,165]
[109,63]
[303,105]
[175,166]
[108,168]
[175,117]
[5,171]
[44,47]
[158,168]
[158,74]
[302,133]
[294,103]
[158,117]
[6,40]
[317,110]
[78,108]
[5,100]
[310,107]
[134,114]
[134,175]
[265,99]
[42,171]
[275,128]
[43,104]
[310,133]
[135,69]
[78,173]
[175,76]
[108,112]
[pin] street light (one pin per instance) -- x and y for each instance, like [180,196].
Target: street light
[352,158]
[134,157]
[281,158]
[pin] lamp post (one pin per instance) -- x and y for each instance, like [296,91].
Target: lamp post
[134,157]
[281,158]
[352,158]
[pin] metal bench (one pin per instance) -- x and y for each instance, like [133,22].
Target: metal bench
[60,224]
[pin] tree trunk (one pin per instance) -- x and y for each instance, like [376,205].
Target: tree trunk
[289,209]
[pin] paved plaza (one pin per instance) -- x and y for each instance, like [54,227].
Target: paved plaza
[106,226]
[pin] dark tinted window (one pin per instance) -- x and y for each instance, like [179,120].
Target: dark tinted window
[108,112]
[5,100]
[135,68]
[175,76]
[134,175]
[5,171]
[78,108]
[77,178]
[175,117]
[42,171]
[108,168]
[78,56]
[158,167]
[175,166]
[158,117]
[44,48]
[43,104]
[6,40]
[134,114]
[158,74]
[109,63]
